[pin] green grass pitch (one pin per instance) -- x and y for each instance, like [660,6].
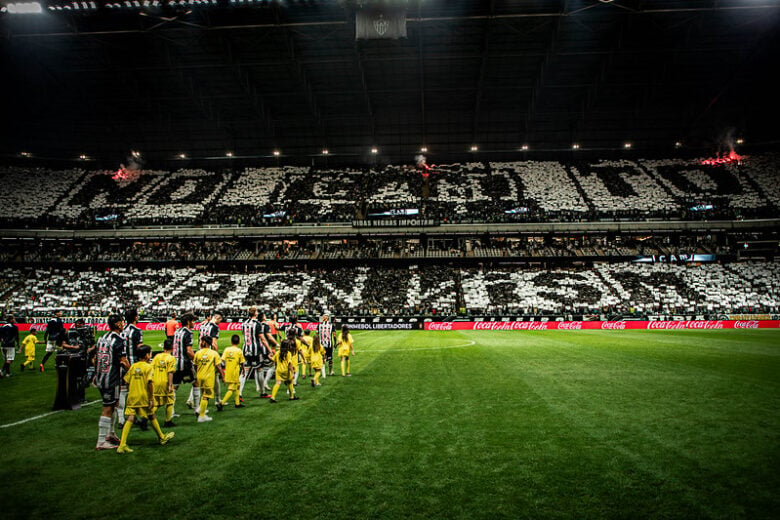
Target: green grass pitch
[580,424]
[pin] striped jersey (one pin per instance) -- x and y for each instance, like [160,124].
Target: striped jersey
[325,330]
[110,351]
[181,340]
[209,329]
[253,346]
[133,337]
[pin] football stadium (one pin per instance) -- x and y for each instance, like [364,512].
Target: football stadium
[346,259]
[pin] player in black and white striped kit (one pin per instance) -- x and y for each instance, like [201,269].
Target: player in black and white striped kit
[268,365]
[255,345]
[134,338]
[184,354]
[110,360]
[211,329]
[325,331]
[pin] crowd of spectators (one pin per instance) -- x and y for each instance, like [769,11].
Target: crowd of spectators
[627,288]
[213,251]
[525,191]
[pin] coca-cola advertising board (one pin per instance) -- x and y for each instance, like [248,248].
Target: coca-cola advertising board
[604,325]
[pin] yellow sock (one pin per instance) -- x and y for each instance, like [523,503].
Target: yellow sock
[125,432]
[203,404]
[168,412]
[156,426]
[342,366]
[347,365]
[227,396]
[316,376]
[291,386]
[276,389]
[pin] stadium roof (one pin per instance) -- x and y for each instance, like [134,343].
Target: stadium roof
[205,78]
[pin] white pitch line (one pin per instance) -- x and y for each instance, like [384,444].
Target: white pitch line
[369,351]
[42,416]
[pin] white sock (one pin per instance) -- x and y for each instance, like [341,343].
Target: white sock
[268,373]
[258,380]
[112,421]
[241,383]
[192,393]
[104,423]
[120,408]
[196,396]
[323,371]
[295,380]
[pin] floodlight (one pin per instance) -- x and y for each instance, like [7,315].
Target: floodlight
[325,151]
[575,146]
[626,145]
[474,148]
[424,149]
[374,151]
[276,153]
[228,154]
[524,147]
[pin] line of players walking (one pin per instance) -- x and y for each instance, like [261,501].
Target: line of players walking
[134,386]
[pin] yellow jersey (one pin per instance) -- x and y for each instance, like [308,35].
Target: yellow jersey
[283,363]
[344,345]
[29,345]
[162,365]
[206,361]
[316,356]
[233,358]
[137,378]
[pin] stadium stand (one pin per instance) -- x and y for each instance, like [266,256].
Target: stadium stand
[471,192]
[607,287]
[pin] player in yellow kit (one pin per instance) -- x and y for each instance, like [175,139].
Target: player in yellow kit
[206,362]
[163,367]
[234,360]
[140,398]
[345,346]
[28,343]
[284,369]
[316,359]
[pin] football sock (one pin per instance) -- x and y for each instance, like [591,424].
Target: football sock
[196,395]
[259,381]
[120,408]
[348,366]
[113,422]
[45,358]
[103,425]
[227,396]
[276,389]
[316,377]
[204,403]
[291,386]
[156,426]
[295,381]
[168,412]
[125,432]
[191,399]
[342,367]
[241,382]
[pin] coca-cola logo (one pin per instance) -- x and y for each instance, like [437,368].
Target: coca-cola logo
[155,326]
[613,325]
[570,325]
[753,324]
[446,325]
[511,325]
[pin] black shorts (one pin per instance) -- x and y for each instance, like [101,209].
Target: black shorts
[184,376]
[110,395]
[328,353]
[252,361]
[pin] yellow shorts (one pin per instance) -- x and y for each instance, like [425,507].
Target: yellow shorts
[344,351]
[163,400]
[316,365]
[284,377]
[232,387]
[138,411]
[207,392]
